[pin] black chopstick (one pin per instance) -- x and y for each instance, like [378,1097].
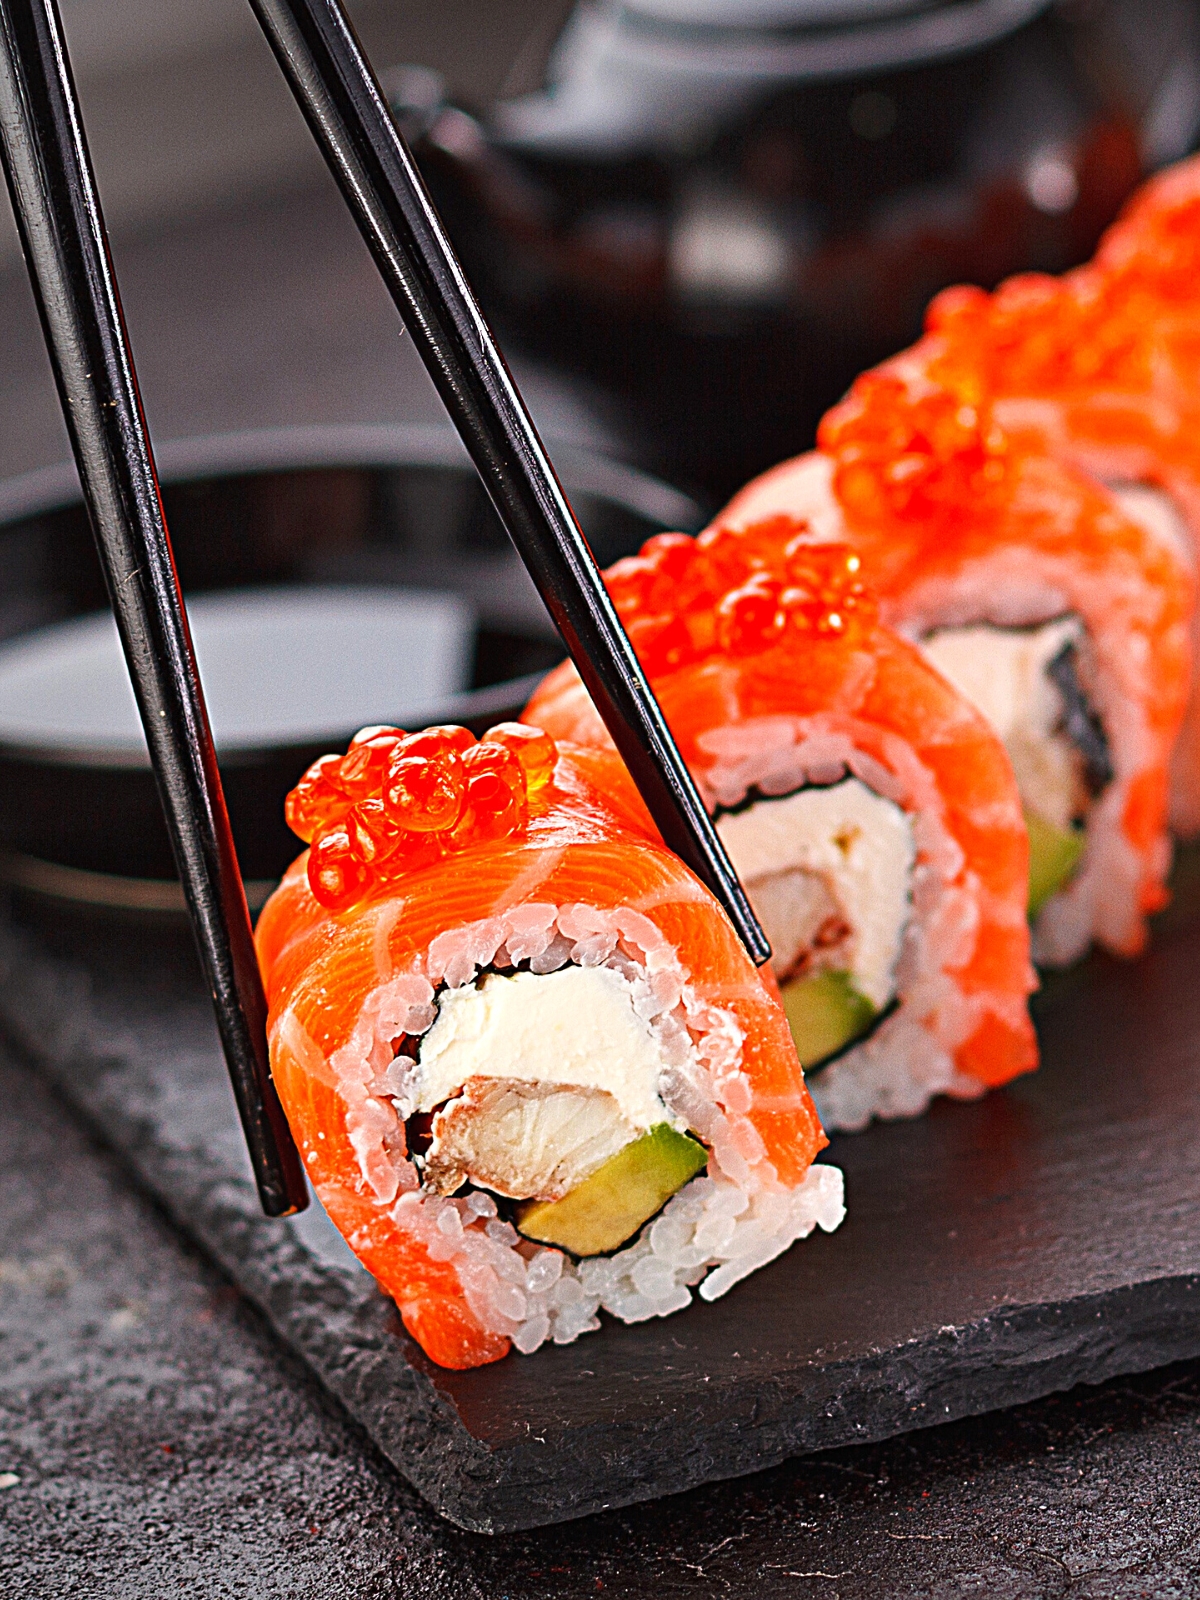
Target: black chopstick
[345,109]
[62,231]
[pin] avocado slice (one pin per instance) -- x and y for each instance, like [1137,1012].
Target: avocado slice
[1053,856]
[826,1012]
[609,1207]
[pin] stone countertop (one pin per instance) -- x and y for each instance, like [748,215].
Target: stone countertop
[161,1440]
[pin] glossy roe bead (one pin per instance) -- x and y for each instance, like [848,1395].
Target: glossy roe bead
[749,618]
[442,738]
[317,799]
[365,765]
[372,833]
[425,793]
[495,792]
[337,874]
[535,750]
[662,642]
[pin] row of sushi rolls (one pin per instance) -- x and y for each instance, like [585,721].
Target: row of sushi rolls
[934,680]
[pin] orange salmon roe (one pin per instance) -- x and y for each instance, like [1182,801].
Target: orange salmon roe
[1036,333]
[682,600]
[534,750]
[396,801]
[913,455]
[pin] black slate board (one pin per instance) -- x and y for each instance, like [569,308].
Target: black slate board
[165,1443]
[1047,1235]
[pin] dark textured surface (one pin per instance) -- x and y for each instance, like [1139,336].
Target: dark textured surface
[152,1425]
[163,1443]
[993,1252]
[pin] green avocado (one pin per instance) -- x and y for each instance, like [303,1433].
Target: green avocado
[1053,856]
[609,1207]
[826,1012]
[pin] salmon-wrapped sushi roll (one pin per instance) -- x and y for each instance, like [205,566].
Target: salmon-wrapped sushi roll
[868,808]
[1101,367]
[531,1070]
[1065,620]
[1081,367]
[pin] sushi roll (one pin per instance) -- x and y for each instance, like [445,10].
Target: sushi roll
[1062,618]
[1099,368]
[530,1068]
[868,808]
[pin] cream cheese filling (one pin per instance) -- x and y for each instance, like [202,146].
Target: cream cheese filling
[829,874]
[540,1078]
[1003,672]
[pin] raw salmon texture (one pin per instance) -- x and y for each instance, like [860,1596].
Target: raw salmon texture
[870,810]
[1060,608]
[506,1026]
[1098,368]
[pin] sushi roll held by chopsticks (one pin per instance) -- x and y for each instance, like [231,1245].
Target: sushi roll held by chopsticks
[529,1065]
[869,809]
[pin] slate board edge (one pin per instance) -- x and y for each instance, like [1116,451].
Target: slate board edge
[350,1338]
[1042,1350]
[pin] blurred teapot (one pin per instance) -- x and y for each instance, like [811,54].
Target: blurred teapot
[724,209]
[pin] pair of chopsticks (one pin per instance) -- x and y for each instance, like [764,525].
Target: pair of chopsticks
[62,231]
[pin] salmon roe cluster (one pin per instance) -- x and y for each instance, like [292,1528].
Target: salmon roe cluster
[1036,332]
[1156,240]
[735,592]
[912,455]
[397,801]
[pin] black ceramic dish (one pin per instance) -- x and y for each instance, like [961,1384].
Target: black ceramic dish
[379,506]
